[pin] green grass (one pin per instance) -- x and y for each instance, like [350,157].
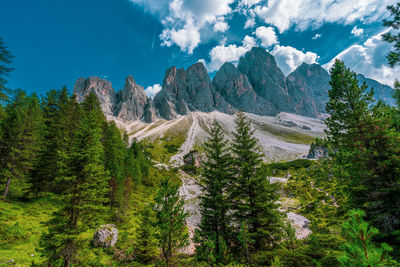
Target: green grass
[28,215]
[288,135]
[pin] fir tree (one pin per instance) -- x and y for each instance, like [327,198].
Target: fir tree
[85,189]
[359,250]
[171,221]
[214,204]
[146,245]
[21,139]
[254,198]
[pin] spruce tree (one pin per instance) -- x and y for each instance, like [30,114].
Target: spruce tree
[171,221]
[114,149]
[214,203]
[252,196]
[84,192]
[5,60]
[359,249]
[366,147]
[348,106]
[21,139]
[61,115]
[146,244]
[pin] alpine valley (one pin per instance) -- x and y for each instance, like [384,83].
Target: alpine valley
[287,112]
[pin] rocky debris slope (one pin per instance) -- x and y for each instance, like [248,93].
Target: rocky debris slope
[256,86]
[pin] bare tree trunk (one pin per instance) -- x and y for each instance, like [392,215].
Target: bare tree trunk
[6,189]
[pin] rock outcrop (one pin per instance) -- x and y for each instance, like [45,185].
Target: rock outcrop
[236,89]
[101,87]
[132,101]
[266,78]
[308,87]
[105,236]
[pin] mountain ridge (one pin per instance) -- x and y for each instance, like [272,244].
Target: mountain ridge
[256,85]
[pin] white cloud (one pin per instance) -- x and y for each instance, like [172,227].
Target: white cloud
[305,13]
[221,26]
[249,3]
[369,59]
[250,23]
[185,20]
[267,36]
[151,91]
[231,53]
[356,31]
[186,38]
[289,58]
[316,36]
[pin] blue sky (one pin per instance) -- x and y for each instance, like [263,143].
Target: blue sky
[56,42]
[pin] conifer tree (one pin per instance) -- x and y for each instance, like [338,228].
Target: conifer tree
[359,250]
[214,203]
[146,245]
[254,198]
[21,139]
[366,146]
[5,60]
[61,115]
[171,221]
[348,106]
[84,193]
[114,149]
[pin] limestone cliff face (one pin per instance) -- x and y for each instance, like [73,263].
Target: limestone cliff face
[308,87]
[236,89]
[101,87]
[132,101]
[266,78]
[188,90]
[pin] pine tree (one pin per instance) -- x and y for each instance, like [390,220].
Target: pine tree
[114,149]
[359,250]
[146,245]
[85,192]
[21,139]
[214,204]
[171,221]
[254,198]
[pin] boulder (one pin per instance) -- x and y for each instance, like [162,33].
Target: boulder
[105,236]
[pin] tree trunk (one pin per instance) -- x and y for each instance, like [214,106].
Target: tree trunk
[7,187]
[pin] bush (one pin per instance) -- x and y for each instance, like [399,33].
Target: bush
[295,164]
[189,168]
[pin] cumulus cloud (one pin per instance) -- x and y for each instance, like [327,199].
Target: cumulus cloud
[310,13]
[316,36]
[151,91]
[186,38]
[369,59]
[267,36]
[356,31]
[289,58]
[231,53]
[221,26]
[184,20]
